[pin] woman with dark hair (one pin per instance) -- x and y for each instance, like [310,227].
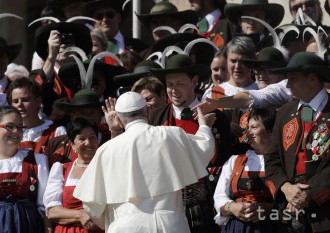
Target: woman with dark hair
[241,198]
[23,178]
[61,207]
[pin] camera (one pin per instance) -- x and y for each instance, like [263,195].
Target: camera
[67,38]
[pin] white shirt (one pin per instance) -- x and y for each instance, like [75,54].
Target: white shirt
[317,103]
[274,95]
[34,134]
[55,184]
[177,110]
[231,90]
[3,83]
[158,161]
[212,18]
[14,164]
[221,196]
[120,42]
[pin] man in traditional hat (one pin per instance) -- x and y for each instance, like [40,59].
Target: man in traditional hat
[182,76]
[270,12]
[84,104]
[297,162]
[212,24]
[166,14]
[159,161]
[51,40]
[8,54]
[109,15]
[311,8]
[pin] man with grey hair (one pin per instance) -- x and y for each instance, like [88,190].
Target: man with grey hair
[311,8]
[160,161]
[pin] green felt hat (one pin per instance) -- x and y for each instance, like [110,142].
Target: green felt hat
[268,57]
[141,70]
[274,12]
[182,64]
[168,9]
[305,62]
[84,98]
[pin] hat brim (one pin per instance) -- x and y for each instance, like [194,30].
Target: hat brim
[12,51]
[187,16]
[273,11]
[80,33]
[90,7]
[128,80]
[322,71]
[203,71]
[263,64]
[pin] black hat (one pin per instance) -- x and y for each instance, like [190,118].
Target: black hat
[70,73]
[182,64]
[168,9]
[274,12]
[306,62]
[204,52]
[90,7]
[268,57]
[11,50]
[84,98]
[81,34]
[142,69]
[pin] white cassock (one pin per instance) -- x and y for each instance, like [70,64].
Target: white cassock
[135,179]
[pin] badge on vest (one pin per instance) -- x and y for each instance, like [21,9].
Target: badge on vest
[289,133]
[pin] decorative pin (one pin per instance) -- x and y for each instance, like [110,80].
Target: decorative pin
[211,177]
[315,157]
[308,146]
[315,143]
[32,188]
[322,128]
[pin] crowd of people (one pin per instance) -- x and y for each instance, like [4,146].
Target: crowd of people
[221,124]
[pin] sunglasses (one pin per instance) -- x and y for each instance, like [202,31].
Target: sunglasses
[12,127]
[108,14]
[307,4]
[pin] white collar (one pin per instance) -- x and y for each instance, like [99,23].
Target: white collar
[212,18]
[129,125]
[318,102]
[3,82]
[120,41]
[177,110]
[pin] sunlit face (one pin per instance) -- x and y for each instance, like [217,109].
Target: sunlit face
[219,70]
[299,85]
[11,138]
[27,105]
[312,8]
[249,26]
[91,114]
[86,143]
[257,134]
[97,46]
[154,101]
[180,88]
[265,78]
[108,20]
[239,74]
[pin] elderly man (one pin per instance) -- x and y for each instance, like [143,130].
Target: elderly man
[312,8]
[297,163]
[159,161]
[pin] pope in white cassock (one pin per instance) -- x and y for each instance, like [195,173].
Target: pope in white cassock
[134,181]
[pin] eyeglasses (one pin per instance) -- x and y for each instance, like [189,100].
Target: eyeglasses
[307,4]
[108,14]
[12,127]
